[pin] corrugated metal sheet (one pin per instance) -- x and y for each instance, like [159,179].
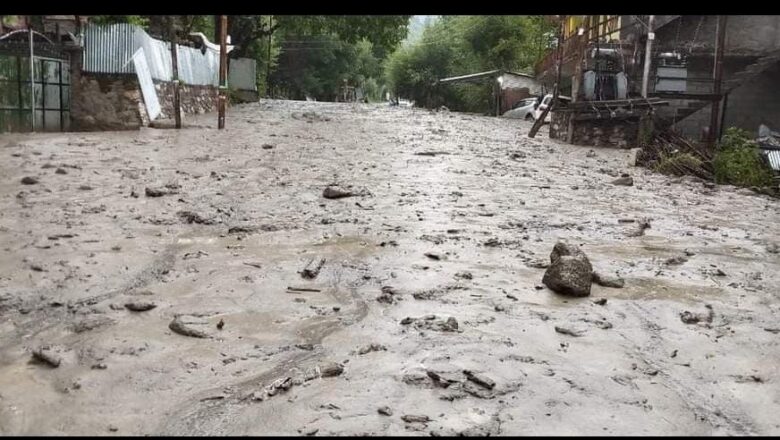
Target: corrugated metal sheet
[108,49]
[774,158]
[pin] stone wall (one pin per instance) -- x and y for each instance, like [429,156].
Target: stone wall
[193,99]
[618,132]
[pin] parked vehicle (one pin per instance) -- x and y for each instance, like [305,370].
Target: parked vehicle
[546,103]
[524,109]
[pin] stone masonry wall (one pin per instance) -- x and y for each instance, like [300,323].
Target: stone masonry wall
[619,133]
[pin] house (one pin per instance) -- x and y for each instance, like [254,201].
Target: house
[602,58]
[509,88]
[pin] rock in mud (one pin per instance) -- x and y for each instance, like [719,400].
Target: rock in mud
[480,379]
[312,269]
[194,217]
[279,385]
[371,347]
[155,192]
[140,306]
[91,323]
[411,418]
[333,192]
[640,229]
[570,272]
[600,301]
[607,280]
[331,369]
[568,331]
[178,325]
[45,355]
[695,318]
[624,181]
[60,171]
[389,295]
[29,180]
[385,411]
[464,275]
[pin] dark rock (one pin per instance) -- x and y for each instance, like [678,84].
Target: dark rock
[193,217]
[432,256]
[220,324]
[562,249]
[371,347]
[331,369]
[695,318]
[140,306]
[267,146]
[569,275]
[624,181]
[45,355]
[499,308]
[385,411]
[178,325]
[410,418]
[464,275]
[333,192]
[407,320]
[675,261]
[568,331]
[608,280]
[600,301]
[60,171]
[480,379]
[28,180]
[312,269]
[155,192]
[85,187]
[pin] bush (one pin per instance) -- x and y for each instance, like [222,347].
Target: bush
[679,164]
[739,162]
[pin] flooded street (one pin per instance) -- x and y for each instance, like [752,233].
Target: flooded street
[451,216]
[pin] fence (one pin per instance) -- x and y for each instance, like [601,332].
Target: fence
[109,49]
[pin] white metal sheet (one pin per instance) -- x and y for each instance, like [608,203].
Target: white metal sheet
[147,86]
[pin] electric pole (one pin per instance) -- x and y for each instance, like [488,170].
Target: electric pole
[720,39]
[648,55]
[268,66]
[222,71]
[175,70]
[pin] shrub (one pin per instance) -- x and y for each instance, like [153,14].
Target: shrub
[679,164]
[739,162]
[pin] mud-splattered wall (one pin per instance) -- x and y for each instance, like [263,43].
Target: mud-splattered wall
[618,132]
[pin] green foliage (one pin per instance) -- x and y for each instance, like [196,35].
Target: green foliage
[459,45]
[738,161]
[679,164]
[138,20]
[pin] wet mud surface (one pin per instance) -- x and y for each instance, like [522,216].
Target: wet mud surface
[428,315]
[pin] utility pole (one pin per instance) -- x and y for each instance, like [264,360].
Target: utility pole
[175,68]
[268,66]
[648,55]
[720,40]
[558,67]
[222,71]
[32,75]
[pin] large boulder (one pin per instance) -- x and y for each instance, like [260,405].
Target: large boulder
[570,272]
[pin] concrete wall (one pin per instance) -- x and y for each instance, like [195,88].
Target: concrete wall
[618,133]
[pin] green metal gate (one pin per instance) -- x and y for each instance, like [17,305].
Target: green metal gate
[51,84]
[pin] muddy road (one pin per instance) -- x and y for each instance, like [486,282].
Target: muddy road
[433,268]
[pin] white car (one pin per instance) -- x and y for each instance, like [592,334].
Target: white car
[546,103]
[523,110]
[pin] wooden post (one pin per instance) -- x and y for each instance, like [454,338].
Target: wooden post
[720,39]
[175,68]
[222,71]
[648,55]
[268,66]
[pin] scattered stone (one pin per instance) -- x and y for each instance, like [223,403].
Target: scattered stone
[91,324]
[385,411]
[312,269]
[99,366]
[538,263]
[409,418]
[389,295]
[155,192]
[675,261]
[267,146]
[499,308]
[480,379]
[464,275]
[140,306]
[432,256]
[307,347]
[590,153]
[311,431]
[220,324]
[570,272]
[45,355]
[193,217]
[331,369]
[624,181]
[371,347]
[568,331]
[85,188]
[113,428]
[60,171]
[517,155]
[279,385]
[600,301]
[608,280]
[640,230]
[178,325]
[695,318]
[333,192]
[29,180]
[772,330]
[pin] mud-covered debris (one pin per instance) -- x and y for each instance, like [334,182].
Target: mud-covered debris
[568,331]
[443,380]
[570,271]
[433,256]
[194,217]
[590,153]
[330,369]
[408,320]
[157,192]
[140,306]
[773,248]
[607,280]
[29,180]
[267,147]
[333,192]
[600,301]
[603,324]
[517,155]
[430,153]
[371,347]
[499,308]
[178,325]
[772,330]
[279,385]
[464,275]
[221,324]
[90,323]
[538,263]
[99,366]
[47,356]
[85,188]
[695,318]
[642,225]
[241,229]
[385,410]
[60,171]
[312,269]
[310,431]
[624,180]
[412,418]
[480,379]
[389,295]
[307,347]
[113,428]
[675,261]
